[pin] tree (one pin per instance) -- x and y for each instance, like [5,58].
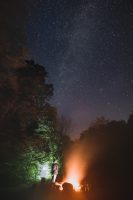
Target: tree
[24,101]
[109,148]
[25,97]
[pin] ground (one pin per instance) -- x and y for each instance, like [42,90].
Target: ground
[42,191]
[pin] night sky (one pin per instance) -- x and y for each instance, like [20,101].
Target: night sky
[87,49]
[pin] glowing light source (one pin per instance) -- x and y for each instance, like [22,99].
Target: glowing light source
[73,178]
[75,183]
[73,172]
[75,167]
[59,185]
[45,171]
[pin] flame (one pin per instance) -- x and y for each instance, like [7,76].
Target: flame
[73,176]
[75,183]
[59,185]
[75,169]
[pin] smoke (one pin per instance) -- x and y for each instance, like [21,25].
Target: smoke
[12,37]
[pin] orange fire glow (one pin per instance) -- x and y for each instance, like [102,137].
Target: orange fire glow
[73,176]
[75,169]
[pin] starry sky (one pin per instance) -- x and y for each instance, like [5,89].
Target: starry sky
[86,47]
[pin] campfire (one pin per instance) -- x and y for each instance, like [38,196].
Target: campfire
[75,168]
[73,177]
[76,186]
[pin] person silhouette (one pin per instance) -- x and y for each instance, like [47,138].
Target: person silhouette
[54,171]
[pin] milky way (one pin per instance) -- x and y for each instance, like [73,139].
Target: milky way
[86,47]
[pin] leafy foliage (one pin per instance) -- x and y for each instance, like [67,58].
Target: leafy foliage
[51,138]
[24,102]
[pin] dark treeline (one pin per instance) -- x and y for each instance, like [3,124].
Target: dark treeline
[109,145]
